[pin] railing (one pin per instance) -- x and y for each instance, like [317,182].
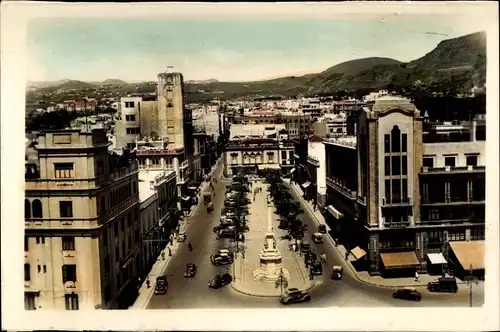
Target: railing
[451,169]
[158,152]
[313,160]
[349,141]
[335,184]
[117,174]
[184,164]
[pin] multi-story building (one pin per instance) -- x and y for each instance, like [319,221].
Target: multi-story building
[331,125]
[127,126]
[315,186]
[399,203]
[82,231]
[296,123]
[255,155]
[158,214]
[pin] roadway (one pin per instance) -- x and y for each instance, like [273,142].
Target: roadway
[187,293]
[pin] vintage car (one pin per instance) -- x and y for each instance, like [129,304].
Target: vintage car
[305,247]
[322,229]
[161,285]
[220,280]
[317,238]
[210,207]
[316,268]
[293,295]
[191,270]
[221,259]
[224,251]
[181,237]
[226,233]
[443,284]
[337,272]
[407,293]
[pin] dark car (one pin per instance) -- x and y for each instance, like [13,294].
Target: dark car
[316,268]
[220,280]
[337,272]
[304,246]
[322,229]
[224,226]
[221,259]
[443,284]
[226,233]
[191,270]
[161,285]
[407,293]
[293,295]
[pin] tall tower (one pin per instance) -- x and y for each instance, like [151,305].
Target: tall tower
[171,108]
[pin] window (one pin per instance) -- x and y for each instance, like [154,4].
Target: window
[449,161]
[404,165]
[433,214]
[404,194]
[396,191]
[395,139]
[39,268]
[66,209]
[396,165]
[27,272]
[69,272]
[40,239]
[45,269]
[37,209]
[404,142]
[456,236]
[388,191]
[26,243]
[435,237]
[71,301]
[283,154]
[29,301]
[129,104]
[471,161]
[477,234]
[68,243]
[64,170]
[133,131]
[428,162]
[100,167]
[387,165]
[27,209]
[130,117]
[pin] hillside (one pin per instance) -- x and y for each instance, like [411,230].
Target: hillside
[112,81]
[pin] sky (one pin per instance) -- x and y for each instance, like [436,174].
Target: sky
[138,48]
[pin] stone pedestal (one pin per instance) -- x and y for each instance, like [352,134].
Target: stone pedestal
[270,262]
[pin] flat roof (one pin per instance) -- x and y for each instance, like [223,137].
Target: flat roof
[145,178]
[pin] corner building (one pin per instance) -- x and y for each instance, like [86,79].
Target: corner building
[393,213]
[82,229]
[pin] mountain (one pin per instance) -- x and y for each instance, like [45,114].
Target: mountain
[45,84]
[111,81]
[211,80]
[456,64]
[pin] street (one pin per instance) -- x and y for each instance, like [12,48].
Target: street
[194,292]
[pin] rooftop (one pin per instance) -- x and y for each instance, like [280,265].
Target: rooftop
[147,179]
[346,141]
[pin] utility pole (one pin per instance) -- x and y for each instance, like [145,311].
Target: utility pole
[470,280]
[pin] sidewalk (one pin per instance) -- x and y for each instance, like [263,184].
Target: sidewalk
[243,268]
[160,265]
[363,276]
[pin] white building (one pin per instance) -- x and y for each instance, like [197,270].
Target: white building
[127,127]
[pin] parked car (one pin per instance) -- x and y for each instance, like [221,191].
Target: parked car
[224,251]
[316,268]
[317,238]
[161,285]
[304,246]
[181,237]
[293,295]
[337,272]
[407,293]
[220,280]
[221,259]
[322,229]
[191,270]
[443,284]
[226,233]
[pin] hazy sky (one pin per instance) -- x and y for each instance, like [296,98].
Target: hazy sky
[139,48]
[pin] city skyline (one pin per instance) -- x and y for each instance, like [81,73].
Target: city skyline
[100,49]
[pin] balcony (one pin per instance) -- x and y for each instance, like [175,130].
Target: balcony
[340,187]
[397,203]
[313,160]
[183,165]
[453,170]
[117,174]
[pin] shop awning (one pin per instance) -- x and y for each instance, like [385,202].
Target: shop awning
[292,170]
[186,198]
[306,184]
[358,253]
[437,258]
[398,260]
[269,166]
[470,254]
[127,262]
[334,212]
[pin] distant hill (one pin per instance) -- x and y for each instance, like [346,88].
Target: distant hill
[457,64]
[73,85]
[211,80]
[112,81]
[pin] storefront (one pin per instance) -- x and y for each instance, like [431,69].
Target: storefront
[436,263]
[399,264]
[357,257]
[466,258]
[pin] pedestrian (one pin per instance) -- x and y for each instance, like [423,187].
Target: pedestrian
[148,283]
[162,255]
[139,281]
[294,247]
[169,252]
[311,275]
[416,276]
[346,254]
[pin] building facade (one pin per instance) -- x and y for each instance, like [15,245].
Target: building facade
[82,231]
[127,125]
[397,203]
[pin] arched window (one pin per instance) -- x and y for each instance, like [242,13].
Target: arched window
[37,209]
[27,209]
[395,139]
